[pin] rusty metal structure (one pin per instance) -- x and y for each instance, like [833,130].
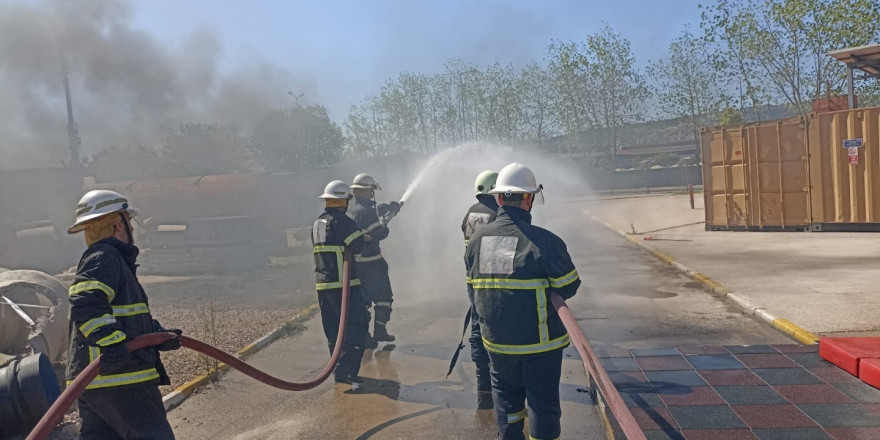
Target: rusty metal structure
[819,173]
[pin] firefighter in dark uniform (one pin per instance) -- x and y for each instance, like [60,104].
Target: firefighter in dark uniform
[332,232]
[372,267]
[513,268]
[478,215]
[108,307]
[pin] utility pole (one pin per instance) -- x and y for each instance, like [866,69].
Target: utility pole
[73,139]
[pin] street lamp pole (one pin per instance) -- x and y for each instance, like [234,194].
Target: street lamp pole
[296,97]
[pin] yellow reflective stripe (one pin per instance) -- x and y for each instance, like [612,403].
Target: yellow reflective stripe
[327,248]
[93,353]
[360,259]
[93,324]
[382,304]
[541,299]
[116,336]
[371,227]
[565,279]
[516,417]
[85,286]
[130,309]
[468,280]
[115,380]
[559,342]
[336,285]
[509,283]
[354,236]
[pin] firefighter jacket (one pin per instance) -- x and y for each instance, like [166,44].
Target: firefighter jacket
[363,211]
[108,306]
[479,214]
[513,268]
[331,233]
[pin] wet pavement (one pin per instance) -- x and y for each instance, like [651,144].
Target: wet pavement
[628,301]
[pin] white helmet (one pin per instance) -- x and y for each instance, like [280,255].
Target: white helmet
[516,178]
[98,203]
[485,182]
[336,189]
[365,181]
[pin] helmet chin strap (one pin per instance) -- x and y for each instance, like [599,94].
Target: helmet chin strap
[127,227]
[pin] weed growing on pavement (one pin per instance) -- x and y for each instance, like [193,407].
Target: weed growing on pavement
[208,315]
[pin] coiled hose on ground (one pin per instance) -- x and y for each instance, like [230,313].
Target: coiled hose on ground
[56,411]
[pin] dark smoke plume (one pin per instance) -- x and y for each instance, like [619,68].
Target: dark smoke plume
[127,88]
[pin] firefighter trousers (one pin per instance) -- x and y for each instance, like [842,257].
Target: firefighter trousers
[126,413]
[356,331]
[377,289]
[478,351]
[533,380]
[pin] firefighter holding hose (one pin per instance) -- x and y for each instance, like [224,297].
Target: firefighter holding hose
[332,232]
[373,268]
[109,307]
[478,215]
[514,267]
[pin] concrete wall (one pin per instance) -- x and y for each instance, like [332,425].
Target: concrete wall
[651,178]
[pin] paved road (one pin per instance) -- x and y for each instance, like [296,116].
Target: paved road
[628,300]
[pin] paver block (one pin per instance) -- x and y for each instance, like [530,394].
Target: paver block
[660,363]
[731,377]
[869,371]
[840,415]
[666,379]
[766,360]
[689,396]
[846,352]
[715,362]
[750,349]
[706,417]
[718,434]
[791,434]
[750,395]
[773,416]
[786,376]
[817,393]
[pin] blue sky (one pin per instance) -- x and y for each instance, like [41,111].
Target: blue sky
[351,48]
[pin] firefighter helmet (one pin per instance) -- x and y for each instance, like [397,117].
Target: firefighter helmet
[98,203]
[516,178]
[336,189]
[365,181]
[485,182]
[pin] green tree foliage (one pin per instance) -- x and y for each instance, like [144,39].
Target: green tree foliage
[123,164]
[297,139]
[730,116]
[778,49]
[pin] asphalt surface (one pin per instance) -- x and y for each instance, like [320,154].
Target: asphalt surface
[628,300]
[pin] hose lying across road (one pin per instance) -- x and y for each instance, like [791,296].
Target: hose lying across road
[591,363]
[57,410]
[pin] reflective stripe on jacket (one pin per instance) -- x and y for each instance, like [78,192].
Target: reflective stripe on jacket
[108,306]
[331,233]
[513,267]
[363,211]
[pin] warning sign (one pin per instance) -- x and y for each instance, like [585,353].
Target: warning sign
[853,155]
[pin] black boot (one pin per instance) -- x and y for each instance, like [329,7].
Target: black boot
[484,400]
[380,334]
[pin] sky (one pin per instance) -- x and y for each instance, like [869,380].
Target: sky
[350,48]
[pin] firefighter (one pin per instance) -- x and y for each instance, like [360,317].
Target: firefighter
[481,213]
[108,307]
[332,232]
[372,267]
[513,268]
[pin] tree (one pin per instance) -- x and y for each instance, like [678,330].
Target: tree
[200,149]
[122,164]
[687,85]
[730,116]
[779,48]
[297,138]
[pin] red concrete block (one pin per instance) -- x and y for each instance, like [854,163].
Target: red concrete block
[846,352]
[869,371]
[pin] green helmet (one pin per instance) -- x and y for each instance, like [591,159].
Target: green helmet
[485,182]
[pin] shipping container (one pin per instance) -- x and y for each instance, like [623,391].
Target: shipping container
[818,173]
[844,191]
[755,176]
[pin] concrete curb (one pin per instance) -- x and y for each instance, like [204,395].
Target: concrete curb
[745,303]
[181,393]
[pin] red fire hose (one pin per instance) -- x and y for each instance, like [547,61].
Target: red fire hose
[621,412]
[73,391]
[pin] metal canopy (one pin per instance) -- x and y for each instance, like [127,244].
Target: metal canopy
[864,58]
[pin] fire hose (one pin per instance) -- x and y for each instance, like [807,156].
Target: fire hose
[56,411]
[591,362]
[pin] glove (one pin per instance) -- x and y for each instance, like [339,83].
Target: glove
[171,344]
[394,207]
[114,357]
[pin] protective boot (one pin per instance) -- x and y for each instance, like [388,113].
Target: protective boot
[383,315]
[484,400]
